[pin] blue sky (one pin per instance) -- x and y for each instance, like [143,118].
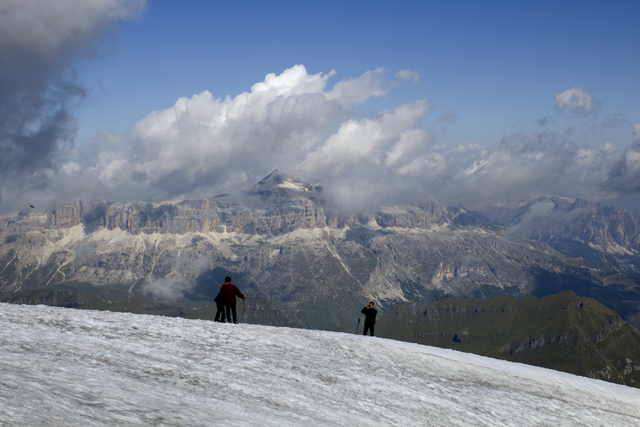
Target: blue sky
[496,65]
[476,100]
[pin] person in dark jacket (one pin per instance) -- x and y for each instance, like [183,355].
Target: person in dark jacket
[369,317]
[220,307]
[228,292]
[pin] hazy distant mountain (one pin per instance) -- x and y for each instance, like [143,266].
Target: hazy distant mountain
[280,242]
[574,227]
[562,332]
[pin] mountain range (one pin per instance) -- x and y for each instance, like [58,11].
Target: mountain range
[284,245]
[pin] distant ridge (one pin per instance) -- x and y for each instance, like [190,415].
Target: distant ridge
[258,311]
[281,240]
[562,332]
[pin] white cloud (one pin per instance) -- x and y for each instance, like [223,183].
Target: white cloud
[166,289]
[110,170]
[203,146]
[170,288]
[70,168]
[633,163]
[408,75]
[578,100]
[371,141]
[293,81]
[52,28]
[410,143]
[275,123]
[39,40]
[537,214]
[354,91]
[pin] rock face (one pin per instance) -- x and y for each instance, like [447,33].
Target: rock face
[279,242]
[563,332]
[574,227]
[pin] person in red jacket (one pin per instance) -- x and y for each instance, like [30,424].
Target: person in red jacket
[228,293]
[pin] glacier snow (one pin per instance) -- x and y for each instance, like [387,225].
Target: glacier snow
[65,367]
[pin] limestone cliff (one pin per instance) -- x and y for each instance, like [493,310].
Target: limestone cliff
[575,227]
[280,242]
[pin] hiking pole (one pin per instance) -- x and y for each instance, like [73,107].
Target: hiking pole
[357,326]
[244,309]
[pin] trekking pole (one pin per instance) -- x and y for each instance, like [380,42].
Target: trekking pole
[244,309]
[357,326]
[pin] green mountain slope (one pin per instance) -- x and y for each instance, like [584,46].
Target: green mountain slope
[562,332]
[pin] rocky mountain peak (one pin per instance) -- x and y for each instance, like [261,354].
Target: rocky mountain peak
[279,182]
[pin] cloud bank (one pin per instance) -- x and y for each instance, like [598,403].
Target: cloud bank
[298,122]
[38,42]
[203,146]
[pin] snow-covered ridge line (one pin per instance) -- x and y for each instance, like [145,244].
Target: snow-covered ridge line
[88,368]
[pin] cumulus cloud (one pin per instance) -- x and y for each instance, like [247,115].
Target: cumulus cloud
[528,224]
[354,91]
[624,175]
[388,138]
[540,163]
[296,122]
[204,145]
[577,100]
[38,42]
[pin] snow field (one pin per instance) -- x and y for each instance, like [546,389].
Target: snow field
[63,367]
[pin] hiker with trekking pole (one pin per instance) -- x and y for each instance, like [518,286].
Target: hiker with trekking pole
[369,318]
[244,309]
[228,292]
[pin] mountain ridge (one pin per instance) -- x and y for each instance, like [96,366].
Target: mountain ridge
[281,241]
[563,332]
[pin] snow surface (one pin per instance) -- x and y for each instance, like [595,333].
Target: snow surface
[64,367]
